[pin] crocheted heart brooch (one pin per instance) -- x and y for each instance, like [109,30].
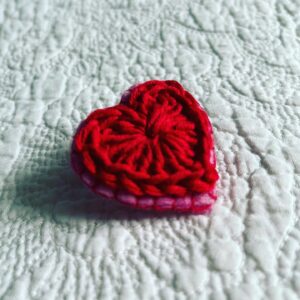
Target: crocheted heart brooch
[153,151]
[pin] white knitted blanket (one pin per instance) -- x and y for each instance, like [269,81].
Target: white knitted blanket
[61,59]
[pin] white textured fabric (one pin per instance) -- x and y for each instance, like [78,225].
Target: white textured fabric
[61,59]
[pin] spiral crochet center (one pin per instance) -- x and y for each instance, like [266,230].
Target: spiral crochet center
[154,139]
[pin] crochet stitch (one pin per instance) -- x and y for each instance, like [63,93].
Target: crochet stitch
[154,150]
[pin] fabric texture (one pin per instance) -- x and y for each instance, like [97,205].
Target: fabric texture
[61,60]
[152,149]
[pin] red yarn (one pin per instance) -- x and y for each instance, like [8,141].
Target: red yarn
[156,142]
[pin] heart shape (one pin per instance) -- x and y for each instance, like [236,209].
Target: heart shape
[154,150]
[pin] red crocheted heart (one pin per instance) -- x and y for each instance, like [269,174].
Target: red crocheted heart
[154,150]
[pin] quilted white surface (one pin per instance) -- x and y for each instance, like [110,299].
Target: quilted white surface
[60,59]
